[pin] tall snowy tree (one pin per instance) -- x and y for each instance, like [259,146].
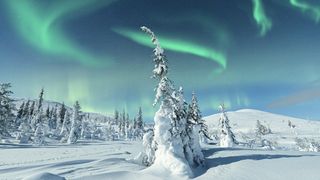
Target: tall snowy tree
[227,138]
[6,109]
[167,133]
[75,125]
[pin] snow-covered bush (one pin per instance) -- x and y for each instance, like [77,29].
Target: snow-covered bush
[310,145]
[268,145]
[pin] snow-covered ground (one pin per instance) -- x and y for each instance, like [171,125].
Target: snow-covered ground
[112,159]
[108,160]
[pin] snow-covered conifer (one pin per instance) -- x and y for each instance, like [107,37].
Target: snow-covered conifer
[19,116]
[170,150]
[6,109]
[66,126]
[26,109]
[25,130]
[138,125]
[38,113]
[116,117]
[75,126]
[61,114]
[39,134]
[31,110]
[149,146]
[227,138]
[195,129]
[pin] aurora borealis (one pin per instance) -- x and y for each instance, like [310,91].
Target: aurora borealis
[259,54]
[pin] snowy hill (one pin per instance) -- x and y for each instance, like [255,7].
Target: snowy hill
[243,123]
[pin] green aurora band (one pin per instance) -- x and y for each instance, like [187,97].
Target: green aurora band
[261,18]
[40,27]
[177,46]
[313,10]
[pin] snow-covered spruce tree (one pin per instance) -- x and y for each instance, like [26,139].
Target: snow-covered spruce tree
[138,125]
[122,129]
[116,117]
[227,138]
[196,129]
[75,125]
[195,114]
[168,127]
[26,109]
[32,109]
[39,133]
[150,147]
[181,126]
[25,132]
[60,117]
[47,114]
[19,117]
[6,109]
[261,129]
[66,127]
[38,113]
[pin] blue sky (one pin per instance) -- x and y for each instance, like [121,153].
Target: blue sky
[74,51]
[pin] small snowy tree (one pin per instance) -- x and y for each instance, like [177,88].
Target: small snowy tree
[38,113]
[60,117]
[39,134]
[261,129]
[19,116]
[31,110]
[75,126]
[227,138]
[66,127]
[150,147]
[25,130]
[196,128]
[138,125]
[26,109]
[6,109]
[116,117]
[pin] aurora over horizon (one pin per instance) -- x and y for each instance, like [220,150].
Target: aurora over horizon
[259,54]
